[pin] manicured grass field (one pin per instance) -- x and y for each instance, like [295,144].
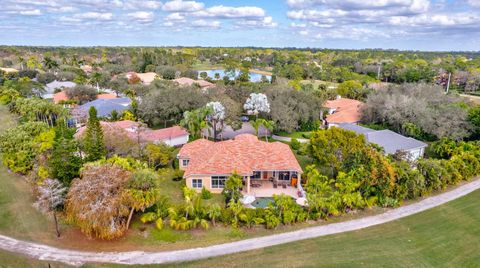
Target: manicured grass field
[295,134]
[447,236]
[316,83]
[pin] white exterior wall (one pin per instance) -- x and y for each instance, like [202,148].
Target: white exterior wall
[176,141]
[415,154]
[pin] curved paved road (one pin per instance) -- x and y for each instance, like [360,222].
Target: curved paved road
[72,257]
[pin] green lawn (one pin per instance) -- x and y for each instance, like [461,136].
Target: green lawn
[206,65]
[316,83]
[295,134]
[446,236]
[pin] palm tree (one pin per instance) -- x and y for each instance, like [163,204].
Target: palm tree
[22,61]
[96,77]
[256,125]
[49,63]
[195,121]
[269,125]
[214,211]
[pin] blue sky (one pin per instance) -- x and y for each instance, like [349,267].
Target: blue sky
[400,24]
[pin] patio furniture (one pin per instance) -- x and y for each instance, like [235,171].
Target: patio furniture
[284,186]
[255,185]
[275,185]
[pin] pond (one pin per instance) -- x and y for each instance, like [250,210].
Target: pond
[254,77]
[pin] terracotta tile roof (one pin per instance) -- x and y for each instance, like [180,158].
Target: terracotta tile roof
[244,155]
[106,96]
[60,96]
[148,135]
[186,81]
[346,111]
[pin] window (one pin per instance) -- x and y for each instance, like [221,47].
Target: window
[185,162]
[218,181]
[257,175]
[197,183]
[284,176]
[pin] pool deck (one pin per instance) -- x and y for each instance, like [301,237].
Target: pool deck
[268,191]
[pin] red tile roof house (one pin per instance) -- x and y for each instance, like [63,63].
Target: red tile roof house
[344,110]
[62,96]
[266,168]
[185,81]
[173,136]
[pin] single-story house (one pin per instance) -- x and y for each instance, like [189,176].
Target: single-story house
[186,81]
[229,133]
[87,69]
[50,88]
[8,70]
[146,78]
[173,136]
[390,141]
[342,110]
[105,107]
[62,96]
[266,168]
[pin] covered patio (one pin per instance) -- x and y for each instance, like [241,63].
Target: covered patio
[268,183]
[265,188]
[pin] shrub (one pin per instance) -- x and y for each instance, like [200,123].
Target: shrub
[226,216]
[271,220]
[295,144]
[206,194]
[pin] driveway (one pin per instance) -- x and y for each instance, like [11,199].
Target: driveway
[78,258]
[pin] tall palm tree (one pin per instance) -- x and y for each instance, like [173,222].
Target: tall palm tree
[269,125]
[96,77]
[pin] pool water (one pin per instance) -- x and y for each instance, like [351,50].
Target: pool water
[254,77]
[262,202]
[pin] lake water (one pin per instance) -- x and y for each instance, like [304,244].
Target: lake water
[254,77]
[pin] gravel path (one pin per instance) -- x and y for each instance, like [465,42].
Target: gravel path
[78,258]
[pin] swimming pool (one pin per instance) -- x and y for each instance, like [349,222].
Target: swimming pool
[262,202]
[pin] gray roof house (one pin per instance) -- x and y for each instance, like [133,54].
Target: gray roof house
[229,133]
[390,141]
[50,87]
[105,107]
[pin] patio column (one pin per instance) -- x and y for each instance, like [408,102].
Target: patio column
[248,184]
[299,180]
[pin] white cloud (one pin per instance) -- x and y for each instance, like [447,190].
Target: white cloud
[232,12]
[139,4]
[35,12]
[175,16]
[206,24]
[94,16]
[267,22]
[141,16]
[474,3]
[183,6]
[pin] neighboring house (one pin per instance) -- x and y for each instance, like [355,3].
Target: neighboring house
[8,70]
[390,141]
[146,78]
[186,81]
[62,96]
[266,168]
[50,88]
[104,107]
[173,136]
[343,110]
[87,69]
[229,133]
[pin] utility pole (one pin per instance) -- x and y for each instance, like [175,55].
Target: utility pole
[448,83]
